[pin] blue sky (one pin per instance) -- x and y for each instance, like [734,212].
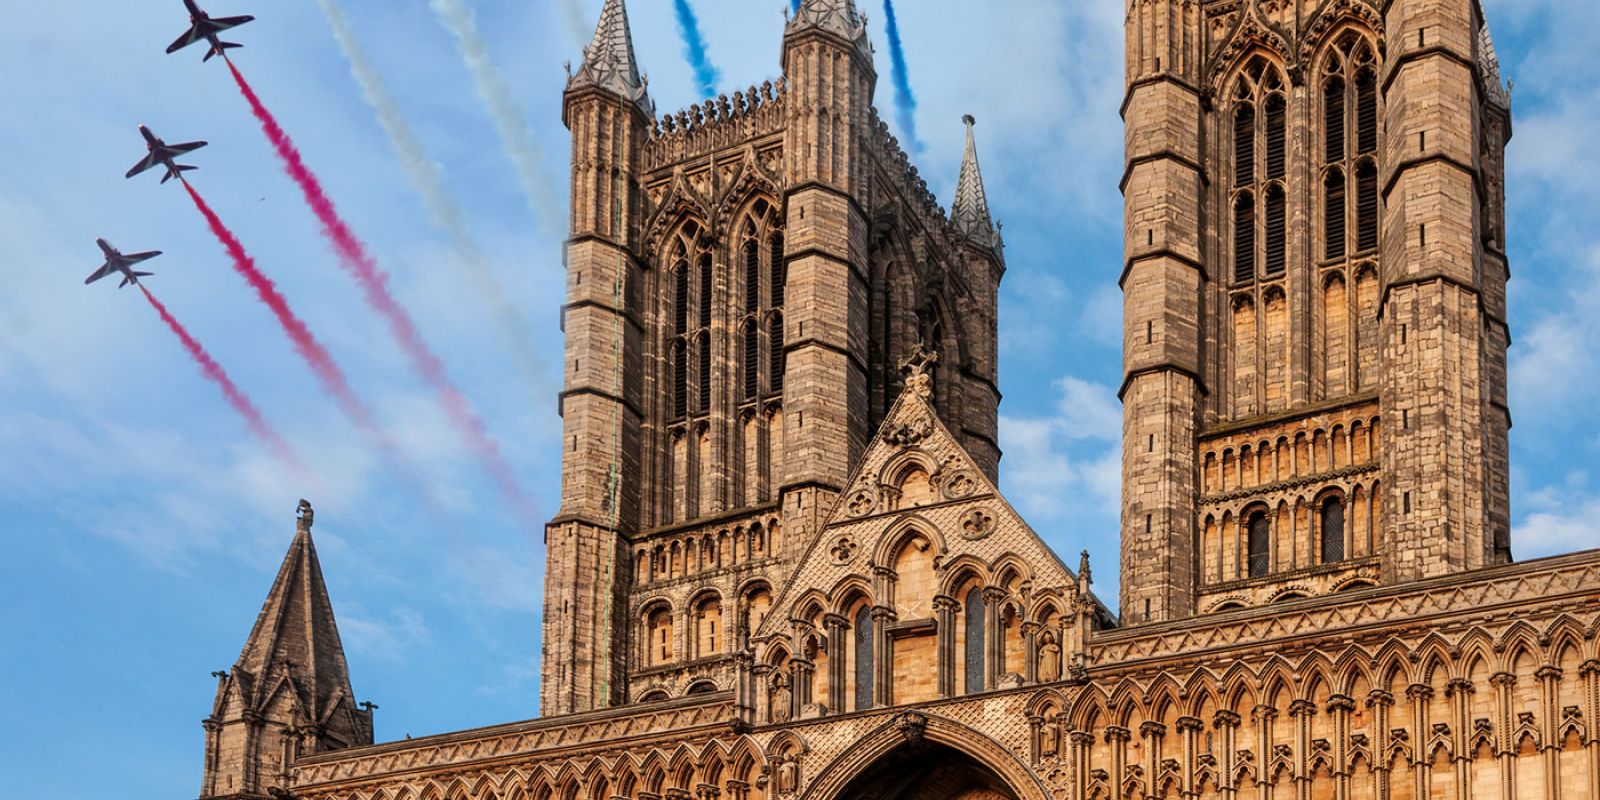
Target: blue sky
[143,524]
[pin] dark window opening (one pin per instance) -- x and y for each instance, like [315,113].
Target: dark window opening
[1333,531]
[1366,206]
[1244,238]
[1366,111]
[705,290]
[752,361]
[775,341]
[1277,230]
[864,654]
[1260,545]
[780,271]
[1277,139]
[705,373]
[973,614]
[1333,119]
[1333,214]
[1244,145]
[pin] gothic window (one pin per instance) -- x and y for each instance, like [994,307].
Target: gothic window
[1366,205]
[780,271]
[752,361]
[1277,230]
[775,343]
[658,635]
[1350,144]
[680,380]
[680,294]
[1260,544]
[1244,238]
[1244,145]
[1276,137]
[1260,165]
[864,656]
[973,616]
[1333,209]
[1333,531]
[703,343]
[752,272]
[708,627]
[705,290]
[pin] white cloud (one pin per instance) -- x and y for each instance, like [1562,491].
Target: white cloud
[383,637]
[1563,517]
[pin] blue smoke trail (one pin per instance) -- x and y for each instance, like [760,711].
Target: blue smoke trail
[694,49]
[794,5]
[905,102]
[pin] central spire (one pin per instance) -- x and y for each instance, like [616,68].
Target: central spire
[608,61]
[971,207]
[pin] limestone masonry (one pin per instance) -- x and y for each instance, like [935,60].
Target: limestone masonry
[782,569]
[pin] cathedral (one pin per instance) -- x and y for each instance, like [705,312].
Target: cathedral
[782,568]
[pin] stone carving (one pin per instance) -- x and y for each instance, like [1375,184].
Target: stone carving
[843,550]
[1049,669]
[911,725]
[778,699]
[909,432]
[959,485]
[977,524]
[861,503]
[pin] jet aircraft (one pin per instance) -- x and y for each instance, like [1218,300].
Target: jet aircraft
[117,261]
[163,154]
[203,26]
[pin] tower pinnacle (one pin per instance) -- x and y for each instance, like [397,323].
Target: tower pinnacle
[971,208]
[608,61]
[838,17]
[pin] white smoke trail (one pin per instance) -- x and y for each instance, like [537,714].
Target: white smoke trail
[508,119]
[442,210]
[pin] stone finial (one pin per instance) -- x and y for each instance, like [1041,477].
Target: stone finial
[970,211]
[916,365]
[1083,568]
[304,515]
[608,61]
[838,17]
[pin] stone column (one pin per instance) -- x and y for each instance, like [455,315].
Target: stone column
[944,607]
[1265,717]
[1227,725]
[1153,733]
[1380,702]
[1422,768]
[1460,691]
[1549,684]
[1030,635]
[1082,743]
[1504,683]
[838,652]
[1340,706]
[1301,712]
[883,666]
[1117,737]
[738,790]
[1589,673]
[1190,728]
[994,639]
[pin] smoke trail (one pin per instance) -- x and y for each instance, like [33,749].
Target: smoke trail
[442,209]
[694,49]
[508,119]
[794,5]
[373,282]
[905,102]
[311,351]
[235,396]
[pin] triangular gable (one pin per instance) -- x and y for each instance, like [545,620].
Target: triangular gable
[968,523]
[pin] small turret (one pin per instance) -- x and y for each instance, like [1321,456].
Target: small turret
[970,211]
[289,693]
[838,17]
[608,61]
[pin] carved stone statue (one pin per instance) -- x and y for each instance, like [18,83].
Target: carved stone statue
[1049,661]
[778,698]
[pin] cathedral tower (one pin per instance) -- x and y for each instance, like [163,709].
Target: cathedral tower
[1314,283]
[744,279]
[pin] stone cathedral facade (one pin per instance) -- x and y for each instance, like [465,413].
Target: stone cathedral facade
[783,570]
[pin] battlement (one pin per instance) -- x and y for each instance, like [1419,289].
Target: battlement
[716,124]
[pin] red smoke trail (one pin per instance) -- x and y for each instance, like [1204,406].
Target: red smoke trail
[306,344]
[373,282]
[219,376]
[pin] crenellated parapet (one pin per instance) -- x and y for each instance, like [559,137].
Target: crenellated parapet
[726,122]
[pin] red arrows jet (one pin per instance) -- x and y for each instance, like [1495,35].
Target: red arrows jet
[163,154]
[117,262]
[202,26]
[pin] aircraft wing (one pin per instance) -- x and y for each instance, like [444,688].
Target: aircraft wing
[224,23]
[187,38]
[185,147]
[104,270]
[144,164]
[134,258]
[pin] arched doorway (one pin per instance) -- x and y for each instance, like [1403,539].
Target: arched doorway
[927,770]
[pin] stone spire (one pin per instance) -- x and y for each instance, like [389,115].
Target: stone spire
[608,61]
[289,692]
[970,211]
[838,17]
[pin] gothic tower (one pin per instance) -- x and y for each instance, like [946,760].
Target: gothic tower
[1314,317]
[289,693]
[744,279]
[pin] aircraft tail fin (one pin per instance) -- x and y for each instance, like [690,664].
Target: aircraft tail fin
[134,278]
[219,48]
